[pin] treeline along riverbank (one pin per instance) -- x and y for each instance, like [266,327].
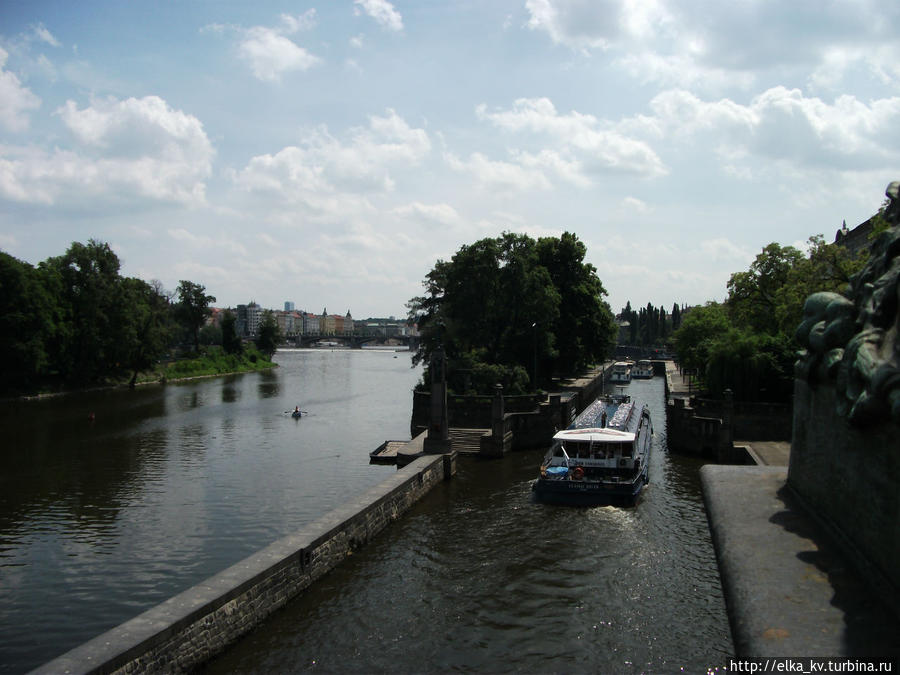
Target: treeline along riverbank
[73,322]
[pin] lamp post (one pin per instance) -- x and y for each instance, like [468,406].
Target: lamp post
[534,370]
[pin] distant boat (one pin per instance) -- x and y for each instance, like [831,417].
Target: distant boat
[621,372]
[603,457]
[642,370]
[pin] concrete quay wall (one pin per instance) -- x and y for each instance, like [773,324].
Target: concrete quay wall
[190,628]
[848,477]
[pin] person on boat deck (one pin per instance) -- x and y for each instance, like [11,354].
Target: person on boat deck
[603,419]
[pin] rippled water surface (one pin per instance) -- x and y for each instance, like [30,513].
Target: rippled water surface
[169,485]
[480,578]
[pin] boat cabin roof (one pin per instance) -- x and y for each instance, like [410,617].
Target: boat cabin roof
[616,411]
[594,435]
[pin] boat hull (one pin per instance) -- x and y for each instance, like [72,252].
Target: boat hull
[588,492]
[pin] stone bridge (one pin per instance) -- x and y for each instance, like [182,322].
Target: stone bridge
[353,341]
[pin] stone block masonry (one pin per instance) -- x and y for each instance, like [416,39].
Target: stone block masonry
[190,628]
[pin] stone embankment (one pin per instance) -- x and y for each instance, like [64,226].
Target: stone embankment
[183,632]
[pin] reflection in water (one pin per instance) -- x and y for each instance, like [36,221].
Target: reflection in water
[268,385]
[171,484]
[230,393]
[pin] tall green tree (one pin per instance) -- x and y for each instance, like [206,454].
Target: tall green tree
[90,342]
[585,329]
[147,335]
[753,295]
[500,306]
[231,341]
[193,308]
[268,335]
[700,329]
[28,321]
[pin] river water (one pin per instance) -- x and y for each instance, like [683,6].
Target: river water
[478,577]
[168,485]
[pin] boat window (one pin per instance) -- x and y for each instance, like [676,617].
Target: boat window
[626,449]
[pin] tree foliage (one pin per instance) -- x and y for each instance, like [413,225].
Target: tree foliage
[231,341]
[73,320]
[269,335]
[193,309]
[510,307]
[747,344]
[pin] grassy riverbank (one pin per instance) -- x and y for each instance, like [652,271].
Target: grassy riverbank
[213,361]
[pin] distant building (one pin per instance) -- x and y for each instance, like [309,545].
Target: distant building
[288,306]
[857,239]
[311,324]
[247,318]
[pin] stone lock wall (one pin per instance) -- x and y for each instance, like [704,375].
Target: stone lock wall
[188,629]
[848,478]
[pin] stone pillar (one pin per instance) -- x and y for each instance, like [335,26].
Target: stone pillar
[726,432]
[497,414]
[438,438]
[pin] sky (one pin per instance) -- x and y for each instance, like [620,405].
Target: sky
[329,153]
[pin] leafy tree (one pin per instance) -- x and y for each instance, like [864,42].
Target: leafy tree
[146,336]
[755,366]
[826,268]
[585,329]
[27,324]
[90,342]
[506,303]
[748,344]
[700,329]
[753,295]
[269,335]
[231,342]
[211,334]
[193,308]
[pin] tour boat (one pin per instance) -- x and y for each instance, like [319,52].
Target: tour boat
[643,370]
[621,373]
[603,457]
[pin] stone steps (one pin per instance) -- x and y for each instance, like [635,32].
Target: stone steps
[467,441]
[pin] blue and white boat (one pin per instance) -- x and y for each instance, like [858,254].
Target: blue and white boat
[621,372]
[642,370]
[603,457]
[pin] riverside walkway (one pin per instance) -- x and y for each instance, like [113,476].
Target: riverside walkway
[789,589]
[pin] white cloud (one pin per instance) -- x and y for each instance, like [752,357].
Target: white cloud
[635,204]
[490,174]
[784,124]
[598,146]
[15,100]
[135,148]
[268,49]
[727,45]
[271,54]
[44,35]
[207,242]
[328,175]
[578,24]
[443,214]
[382,11]
[724,249]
